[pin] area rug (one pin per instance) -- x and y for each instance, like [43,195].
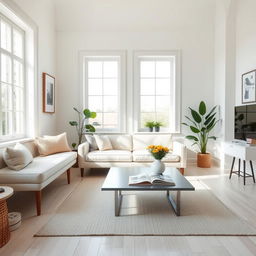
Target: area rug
[88,211]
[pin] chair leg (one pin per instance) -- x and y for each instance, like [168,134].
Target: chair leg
[239,165]
[82,172]
[182,171]
[252,172]
[244,171]
[232,166]
[68,176]
[38,196]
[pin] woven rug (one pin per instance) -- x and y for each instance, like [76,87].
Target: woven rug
[88,211]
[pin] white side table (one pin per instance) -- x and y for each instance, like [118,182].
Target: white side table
[244,152]
[4,224]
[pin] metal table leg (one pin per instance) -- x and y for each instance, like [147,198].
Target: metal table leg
[118,201]
[174,203]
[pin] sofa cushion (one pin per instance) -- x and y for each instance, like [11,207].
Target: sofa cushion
[140,142]
[109,156]
[39,170]
[103,142]
[121,142]
[145,156]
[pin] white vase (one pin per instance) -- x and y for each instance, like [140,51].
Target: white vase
[157,167]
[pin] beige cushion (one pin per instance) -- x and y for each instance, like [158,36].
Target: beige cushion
[103,142]
[121,142]
[141,142]
[92,142]
[145,156]
[18,157]
[109,156]
[52,144]
[39,170]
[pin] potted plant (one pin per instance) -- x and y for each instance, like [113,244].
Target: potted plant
[201,124]
[82,125]
[150,125]
[157,126]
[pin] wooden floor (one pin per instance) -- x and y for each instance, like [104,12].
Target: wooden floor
[238,198]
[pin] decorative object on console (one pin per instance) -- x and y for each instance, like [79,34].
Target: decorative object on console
[201,124]
[82,125]
[48,93]
[158,152]
[150,125]
[157,126]
[248,87]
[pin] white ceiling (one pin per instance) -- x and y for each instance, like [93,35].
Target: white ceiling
[135,15]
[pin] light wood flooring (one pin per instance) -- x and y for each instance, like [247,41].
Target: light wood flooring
[240,199]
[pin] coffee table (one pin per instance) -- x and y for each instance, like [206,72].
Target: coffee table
[118,178]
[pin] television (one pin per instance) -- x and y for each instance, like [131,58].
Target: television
[245,122]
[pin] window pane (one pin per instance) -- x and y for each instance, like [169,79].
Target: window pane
[110,69]
[162,104]
[6,125]
[6,36]
[17,43]
[147,86]
[163,118]
[146,117]
[147,103]
[163,69]
[6,69]
[17,73]
[110,104]
[110,119]
[18,98]
[163,87]
[6,92]
[95,103]
[97,122]
[147,69]
[110,87]
[18,122]
[95,86]
[95,69]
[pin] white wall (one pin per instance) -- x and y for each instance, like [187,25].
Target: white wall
[42,12]
[135,25]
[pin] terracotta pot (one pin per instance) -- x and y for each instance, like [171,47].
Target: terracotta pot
[204,160]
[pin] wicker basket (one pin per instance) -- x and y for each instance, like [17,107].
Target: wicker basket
[4,224]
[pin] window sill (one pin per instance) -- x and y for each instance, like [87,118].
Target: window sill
[14,141]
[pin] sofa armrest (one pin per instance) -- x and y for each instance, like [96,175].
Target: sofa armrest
[180,149]
[82,151]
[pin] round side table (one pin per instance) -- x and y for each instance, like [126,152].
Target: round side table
[4,224]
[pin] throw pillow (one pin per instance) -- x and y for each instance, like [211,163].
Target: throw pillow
[92,142]
[18,157]
[103,142]
[48,145]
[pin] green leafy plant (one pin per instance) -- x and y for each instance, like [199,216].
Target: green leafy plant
[158,124]
[150,124]
[82,125]
[201,124]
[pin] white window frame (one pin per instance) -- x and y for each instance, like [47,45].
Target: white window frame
[84,56]
[12,12]
[175,101]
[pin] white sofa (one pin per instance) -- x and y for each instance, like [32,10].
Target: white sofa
[130,150]
[39,173]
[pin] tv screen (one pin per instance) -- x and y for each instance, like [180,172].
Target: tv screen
[245,122]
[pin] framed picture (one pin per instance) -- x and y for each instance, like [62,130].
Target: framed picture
[248,87]
[48,93]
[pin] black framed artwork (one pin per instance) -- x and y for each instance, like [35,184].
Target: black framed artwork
[248,87]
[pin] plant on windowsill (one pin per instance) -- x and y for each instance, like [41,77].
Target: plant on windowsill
[201,124]
[157,126]
[150,125]
[82,125]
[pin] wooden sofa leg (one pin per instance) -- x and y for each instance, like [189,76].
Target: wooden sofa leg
[68,176]
[182,171]
[38,195]
[82,172]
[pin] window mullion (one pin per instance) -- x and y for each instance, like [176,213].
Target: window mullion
[1,110]
[12,84]
[102,98]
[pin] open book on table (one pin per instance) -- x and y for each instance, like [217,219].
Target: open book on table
[146,179]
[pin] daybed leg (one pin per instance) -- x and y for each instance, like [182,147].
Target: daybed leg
[82,172]
[38,195]
[68,176]
[182,171]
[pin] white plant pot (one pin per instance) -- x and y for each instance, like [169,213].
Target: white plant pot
[157,167]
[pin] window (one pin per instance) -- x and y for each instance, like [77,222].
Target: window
[12,86]
[156,88]
[103,91]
